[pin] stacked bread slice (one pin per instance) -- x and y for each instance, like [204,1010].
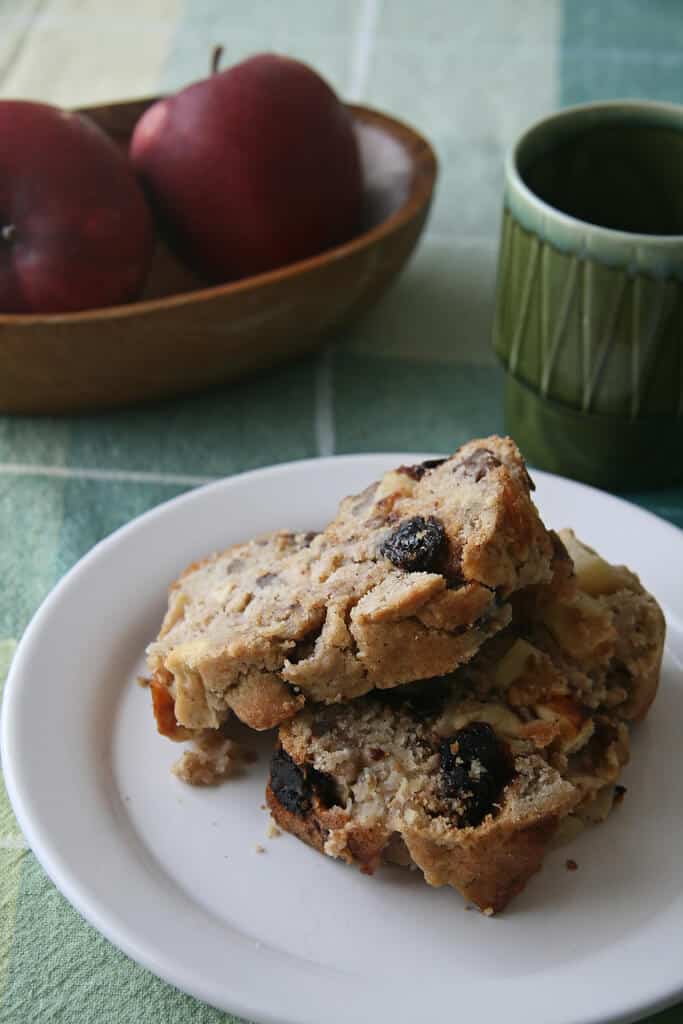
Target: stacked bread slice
[453,683]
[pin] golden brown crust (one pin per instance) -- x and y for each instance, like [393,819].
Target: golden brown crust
[488,864]
[492,868]
[307,827]
[365,847]
[263,700]
[163,708]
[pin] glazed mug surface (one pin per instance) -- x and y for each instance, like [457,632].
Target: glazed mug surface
[589,304]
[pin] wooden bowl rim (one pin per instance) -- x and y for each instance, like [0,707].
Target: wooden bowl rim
[422,157]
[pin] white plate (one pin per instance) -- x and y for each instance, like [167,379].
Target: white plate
[171,874]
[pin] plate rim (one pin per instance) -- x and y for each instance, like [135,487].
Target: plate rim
[68,886]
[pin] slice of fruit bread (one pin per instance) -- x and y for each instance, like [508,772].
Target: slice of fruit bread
[409,580]
[472,777]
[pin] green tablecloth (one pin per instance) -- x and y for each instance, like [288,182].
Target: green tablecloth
[418,373]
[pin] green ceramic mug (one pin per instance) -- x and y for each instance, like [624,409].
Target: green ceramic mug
[589,304]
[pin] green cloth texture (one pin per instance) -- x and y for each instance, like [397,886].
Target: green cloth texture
[418,373]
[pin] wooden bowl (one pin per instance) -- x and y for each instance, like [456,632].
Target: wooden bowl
[183,336]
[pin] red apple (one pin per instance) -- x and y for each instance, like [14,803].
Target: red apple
[253,168]
[75,231]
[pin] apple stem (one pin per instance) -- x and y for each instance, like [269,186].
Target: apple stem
[8,232]
[216,55]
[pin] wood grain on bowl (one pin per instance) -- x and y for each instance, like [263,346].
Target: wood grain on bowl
[184,336]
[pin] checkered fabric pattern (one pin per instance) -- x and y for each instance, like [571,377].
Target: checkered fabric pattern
[418,373]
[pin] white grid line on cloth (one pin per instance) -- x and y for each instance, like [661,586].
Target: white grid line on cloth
[634,54]
[86,473]
[13,843]
[522,51]
[358,75]
[109,22]
[456,238]
[362,49]
[42,20]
